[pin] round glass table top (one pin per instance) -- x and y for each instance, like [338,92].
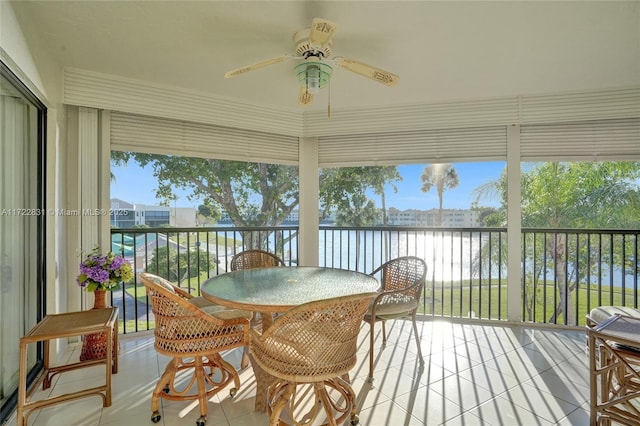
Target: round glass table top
[279,289]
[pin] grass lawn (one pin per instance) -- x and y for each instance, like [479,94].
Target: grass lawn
[490,301]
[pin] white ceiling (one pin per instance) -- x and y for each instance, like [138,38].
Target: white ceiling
[441,50]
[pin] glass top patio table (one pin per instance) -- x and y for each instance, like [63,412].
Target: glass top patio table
[278,289]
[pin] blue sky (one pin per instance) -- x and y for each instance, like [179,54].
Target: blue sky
[137,185]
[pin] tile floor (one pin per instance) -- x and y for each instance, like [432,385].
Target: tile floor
[473,375]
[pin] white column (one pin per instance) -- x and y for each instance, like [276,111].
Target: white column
[89,179]
[309,178]
[69,200]
[104,178]
[514,226]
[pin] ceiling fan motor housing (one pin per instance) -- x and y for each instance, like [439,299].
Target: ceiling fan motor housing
[306,49]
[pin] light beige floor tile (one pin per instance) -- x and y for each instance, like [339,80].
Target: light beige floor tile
[462,392]
[81,412]
[544,404]
[499,412]
[579,417]
[492,380]
[428,405]
[388,414]
[575,392]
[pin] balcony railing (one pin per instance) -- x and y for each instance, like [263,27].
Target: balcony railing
[563,271]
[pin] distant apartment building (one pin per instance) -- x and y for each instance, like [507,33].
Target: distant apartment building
[126,215]
[451,218]
[292,219]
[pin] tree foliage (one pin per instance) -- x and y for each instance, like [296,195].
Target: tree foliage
[173,266]
[585,195]
[582,195]
[252,194]
[345,190]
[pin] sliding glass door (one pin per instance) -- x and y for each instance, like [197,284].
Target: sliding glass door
[22,119]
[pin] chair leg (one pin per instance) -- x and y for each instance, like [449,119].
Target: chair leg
[227,369]
[162,387]
[371,339]
[384,333]
[245,357]
[279,397]
[202,390]
[348,398]
[415,332]
[327,405]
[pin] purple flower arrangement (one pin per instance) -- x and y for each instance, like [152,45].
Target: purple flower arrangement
[103,272]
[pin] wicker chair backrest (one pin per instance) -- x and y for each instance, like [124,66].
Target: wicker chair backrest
[250,259]
[406,272]
[314,341]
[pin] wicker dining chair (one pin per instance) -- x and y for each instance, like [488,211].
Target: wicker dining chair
[194,337]
[401,285]
[208,306]
[313,343]
[250,259]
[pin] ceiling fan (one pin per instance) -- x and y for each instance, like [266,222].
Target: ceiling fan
[313,46]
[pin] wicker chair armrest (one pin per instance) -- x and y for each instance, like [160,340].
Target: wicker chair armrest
[182,293]
[188,309]
[239,320]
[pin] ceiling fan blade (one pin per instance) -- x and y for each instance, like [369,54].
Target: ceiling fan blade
[257,65]
[305,98]
[321,31]
[377,74]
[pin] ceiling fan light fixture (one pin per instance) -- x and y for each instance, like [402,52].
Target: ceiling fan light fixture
[313,75]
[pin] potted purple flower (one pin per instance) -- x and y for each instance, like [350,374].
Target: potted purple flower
[103,272]
[100,273]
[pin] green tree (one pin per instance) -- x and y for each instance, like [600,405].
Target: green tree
[173,266]
[585,195]
[443,177]
[207,213]
[252,194]
[339,187]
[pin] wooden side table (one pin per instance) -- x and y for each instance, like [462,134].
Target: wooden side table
[614,363]
[58,326]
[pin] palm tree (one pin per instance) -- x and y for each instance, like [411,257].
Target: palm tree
[442,176]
